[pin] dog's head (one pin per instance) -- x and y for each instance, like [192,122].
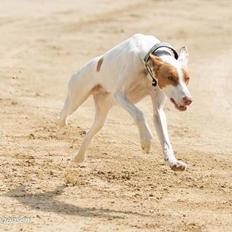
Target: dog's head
[173,78]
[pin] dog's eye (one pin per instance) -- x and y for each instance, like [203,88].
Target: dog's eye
[170,78]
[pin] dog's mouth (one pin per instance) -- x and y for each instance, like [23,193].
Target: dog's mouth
[179,107]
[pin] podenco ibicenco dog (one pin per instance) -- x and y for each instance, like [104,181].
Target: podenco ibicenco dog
[126,74]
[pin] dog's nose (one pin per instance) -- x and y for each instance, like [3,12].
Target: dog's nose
[187,100]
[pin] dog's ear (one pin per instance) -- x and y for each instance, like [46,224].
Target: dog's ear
[183,55]
[156,62]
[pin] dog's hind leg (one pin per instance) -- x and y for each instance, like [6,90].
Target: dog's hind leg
[103,103]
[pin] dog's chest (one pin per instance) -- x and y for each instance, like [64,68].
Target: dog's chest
[139,89]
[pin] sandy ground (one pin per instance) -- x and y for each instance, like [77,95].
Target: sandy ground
[117,188]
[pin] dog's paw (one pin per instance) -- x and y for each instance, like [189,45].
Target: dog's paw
[78,158]
[145,141]
[62,123]
[146,147]
[177,165]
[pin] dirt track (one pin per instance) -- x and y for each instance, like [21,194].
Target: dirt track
[118,188]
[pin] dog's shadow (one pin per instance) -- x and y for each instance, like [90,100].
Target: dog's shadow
[46,202]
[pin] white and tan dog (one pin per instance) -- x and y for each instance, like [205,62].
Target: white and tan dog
[123,76]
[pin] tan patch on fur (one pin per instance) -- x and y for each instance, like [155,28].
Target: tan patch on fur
[98,89]
[186,75]
[99,64]
[167,75]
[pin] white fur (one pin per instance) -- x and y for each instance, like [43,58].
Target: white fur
[124,82]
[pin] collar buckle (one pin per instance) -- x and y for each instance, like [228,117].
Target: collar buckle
[153,79]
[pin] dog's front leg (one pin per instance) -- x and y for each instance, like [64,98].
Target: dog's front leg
[137,115]
[162,131]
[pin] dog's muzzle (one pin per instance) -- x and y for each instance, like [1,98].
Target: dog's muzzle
[182,107]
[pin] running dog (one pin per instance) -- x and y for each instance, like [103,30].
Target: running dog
[124,75]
